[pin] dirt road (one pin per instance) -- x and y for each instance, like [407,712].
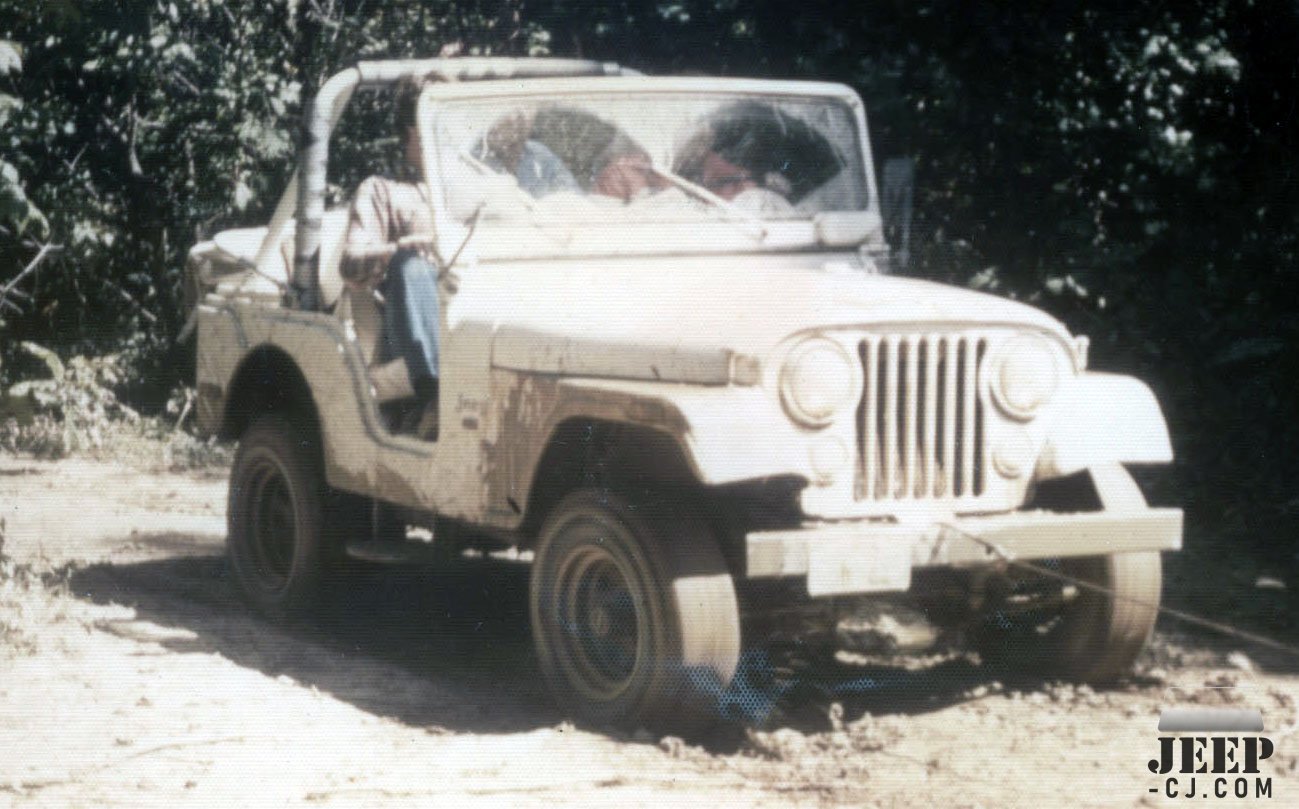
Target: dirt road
[135,676]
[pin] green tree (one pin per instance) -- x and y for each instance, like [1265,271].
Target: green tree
[1128,166]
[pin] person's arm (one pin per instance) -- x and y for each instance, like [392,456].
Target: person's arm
[373,225]
[541,172]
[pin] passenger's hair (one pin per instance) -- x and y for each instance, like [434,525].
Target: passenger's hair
[407,98]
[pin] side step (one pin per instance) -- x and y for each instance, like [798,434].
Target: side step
[381,552]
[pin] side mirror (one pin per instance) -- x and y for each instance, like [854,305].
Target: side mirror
[896,199]
[845,228]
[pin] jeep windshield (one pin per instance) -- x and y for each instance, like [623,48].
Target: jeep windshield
[660,158]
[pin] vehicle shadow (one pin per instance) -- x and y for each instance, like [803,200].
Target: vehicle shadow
[443,650]
[449,649]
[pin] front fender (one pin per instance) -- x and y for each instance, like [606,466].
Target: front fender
[1102,419]
[725,434]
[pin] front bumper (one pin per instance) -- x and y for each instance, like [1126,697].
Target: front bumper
[868,557]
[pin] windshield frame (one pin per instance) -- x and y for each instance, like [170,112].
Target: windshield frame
[437,95]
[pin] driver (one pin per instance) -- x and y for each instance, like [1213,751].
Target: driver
[746,149]
[727,178]
[724,178]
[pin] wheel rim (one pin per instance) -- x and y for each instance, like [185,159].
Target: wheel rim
[1098,636]
[272,524]
[600,621]
[1036,608]
[1052,630]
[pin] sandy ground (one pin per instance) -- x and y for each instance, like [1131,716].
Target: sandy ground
[135,676]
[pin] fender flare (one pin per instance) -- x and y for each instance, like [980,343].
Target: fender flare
[1102,419]
[723,434]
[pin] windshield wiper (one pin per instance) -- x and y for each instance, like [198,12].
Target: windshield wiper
[734,213]
[748,223]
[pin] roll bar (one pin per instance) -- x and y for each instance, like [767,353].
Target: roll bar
[306,191]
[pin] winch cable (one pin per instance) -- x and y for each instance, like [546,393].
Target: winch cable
[1185,617]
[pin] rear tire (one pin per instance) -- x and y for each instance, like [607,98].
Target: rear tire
[634,614]
[276,544]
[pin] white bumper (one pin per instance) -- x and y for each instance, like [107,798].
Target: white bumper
[864,557]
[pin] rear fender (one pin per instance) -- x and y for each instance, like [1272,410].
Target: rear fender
[359,454]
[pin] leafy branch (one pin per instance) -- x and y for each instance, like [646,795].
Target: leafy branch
[10,291]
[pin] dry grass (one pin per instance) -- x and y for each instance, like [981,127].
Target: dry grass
[146,443]
[29,598]
[73,409]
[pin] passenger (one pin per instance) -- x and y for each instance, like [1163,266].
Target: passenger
[383,212]
[538,170]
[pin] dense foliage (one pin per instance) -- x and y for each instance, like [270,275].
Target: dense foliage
[1129,166]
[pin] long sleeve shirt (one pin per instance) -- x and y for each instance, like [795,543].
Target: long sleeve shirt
[382,212]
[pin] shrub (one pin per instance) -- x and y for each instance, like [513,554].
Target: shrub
[75,410]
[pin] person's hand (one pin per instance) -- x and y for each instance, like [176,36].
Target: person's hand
[450,281]
[383,252]
[626,176]
[414,241]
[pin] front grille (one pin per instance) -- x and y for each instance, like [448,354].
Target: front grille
[921,420]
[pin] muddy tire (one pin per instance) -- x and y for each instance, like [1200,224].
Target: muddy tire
[634,614]
[276,543]
[1095,637]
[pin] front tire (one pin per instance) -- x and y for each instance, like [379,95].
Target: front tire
[634,614]
[275,545]
[1096,637]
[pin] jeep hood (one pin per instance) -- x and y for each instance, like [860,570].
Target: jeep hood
[682,319]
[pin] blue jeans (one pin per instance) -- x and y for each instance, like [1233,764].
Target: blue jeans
[411,321]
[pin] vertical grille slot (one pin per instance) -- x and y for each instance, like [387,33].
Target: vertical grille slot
[921,419]
[927,424]
[889,409]
[948,440]
[980,468]
[868,419]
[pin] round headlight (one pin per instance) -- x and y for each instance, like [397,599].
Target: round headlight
[1025,377]
[818,380]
